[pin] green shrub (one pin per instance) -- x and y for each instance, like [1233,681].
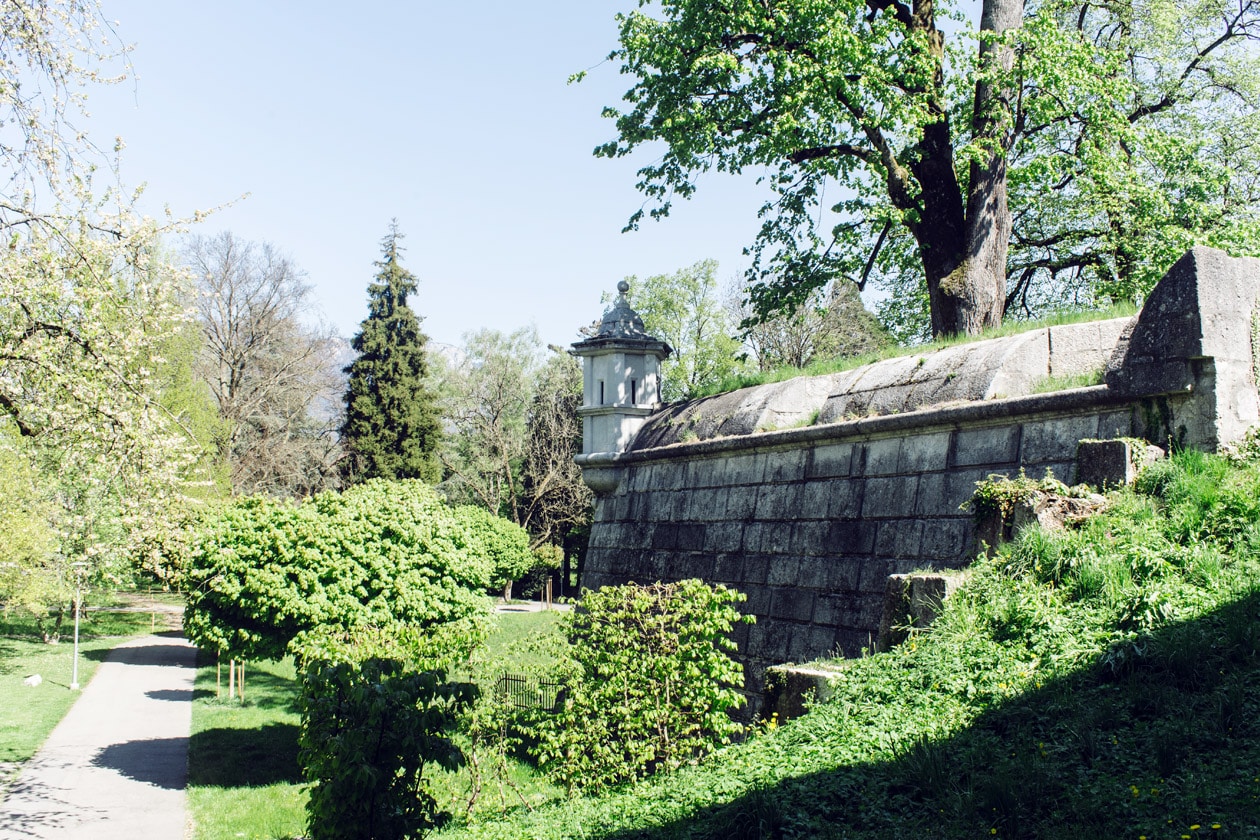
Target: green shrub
[368,731]
[503,544]
[649,685]
[268,576]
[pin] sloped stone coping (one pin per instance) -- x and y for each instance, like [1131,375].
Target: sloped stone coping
[969,414]
[996,368]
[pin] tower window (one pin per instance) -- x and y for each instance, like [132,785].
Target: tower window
[634,392]
[601,392]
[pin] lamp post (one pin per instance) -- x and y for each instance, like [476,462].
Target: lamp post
[78,607]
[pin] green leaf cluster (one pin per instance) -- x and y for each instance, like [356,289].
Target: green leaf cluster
[504,544]
[368,732]
[269,576]
[650,680]
[1122,133]
[683,310]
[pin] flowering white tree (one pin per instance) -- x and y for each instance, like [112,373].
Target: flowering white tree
[88,312]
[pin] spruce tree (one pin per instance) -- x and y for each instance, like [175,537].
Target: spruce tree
[392,425]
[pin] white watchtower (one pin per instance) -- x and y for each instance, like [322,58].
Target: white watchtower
[621,378]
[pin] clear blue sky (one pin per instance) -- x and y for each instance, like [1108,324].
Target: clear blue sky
[454,118]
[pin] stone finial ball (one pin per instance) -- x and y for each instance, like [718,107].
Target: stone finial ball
[623,287]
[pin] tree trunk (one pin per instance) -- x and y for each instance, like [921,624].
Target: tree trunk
[966,273]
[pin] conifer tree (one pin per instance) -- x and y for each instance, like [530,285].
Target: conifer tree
[392,425]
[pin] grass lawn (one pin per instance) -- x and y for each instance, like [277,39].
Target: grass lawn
[28,714]
[243,776]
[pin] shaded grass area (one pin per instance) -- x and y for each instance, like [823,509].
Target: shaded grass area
[839,365]
[1101,682]
[513,631]
[29,714]
[244,777]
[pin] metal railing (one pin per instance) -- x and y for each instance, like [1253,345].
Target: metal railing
[530,692]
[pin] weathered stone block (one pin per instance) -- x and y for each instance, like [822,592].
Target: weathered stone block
[813,499]
[770,639]
[799,647]
[882,457]
[778,501]
[1077,349]
[756,568]
[946,539]
[785,465]
[829,609]
[923,453]
[843,574]
[1116,424]
[996,445]
[745,469]
[912,601]
[728,568]
[791,604]
[665,537]
[811,538]
[875,572]
[741,503]
[851,537]
[724,537]
[899,538]
[830,461]
[890,497]
[844,498]
[932,498]
[1053,440]
[784,571]
[691,537]
[1113,463]
[706,504]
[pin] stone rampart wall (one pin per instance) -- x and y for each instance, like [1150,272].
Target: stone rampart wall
[809,522]
[810,526]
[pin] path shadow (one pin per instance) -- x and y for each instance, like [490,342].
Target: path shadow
[174,695]
[161,762]
[228,757]
[174,656]
[40,811]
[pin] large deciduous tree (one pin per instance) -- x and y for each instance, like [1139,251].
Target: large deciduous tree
[272,375]
[1079,132]
[513,433]
[487,392]
[558,503]
[683,309]
[392,427]
[832,323]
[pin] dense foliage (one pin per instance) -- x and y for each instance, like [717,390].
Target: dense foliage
[649,682]
[1102,681]
[380,555]
[1094,140]
[504,544]
[368,732]
[392,428]
[513,432]
[684,310]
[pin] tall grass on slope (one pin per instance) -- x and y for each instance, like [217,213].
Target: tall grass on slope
[843,363]
[1101,682]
